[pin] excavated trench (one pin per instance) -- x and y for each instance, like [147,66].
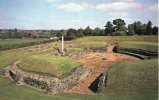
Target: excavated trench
[94,87]
[98,63]
[101,81]
[90,78]
[49,84]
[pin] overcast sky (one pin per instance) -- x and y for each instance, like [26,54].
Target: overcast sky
[64,14]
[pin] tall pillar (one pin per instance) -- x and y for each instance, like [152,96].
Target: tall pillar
[62,46]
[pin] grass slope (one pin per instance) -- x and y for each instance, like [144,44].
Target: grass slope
[10,56]
[17,43]
[9,91]
[49,65]
[151,46]
[117,38]
[139,42]
[135,76]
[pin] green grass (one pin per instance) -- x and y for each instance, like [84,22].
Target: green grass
[102,41]
[49,65]
[136,80]
[134,76]
[57,45]
[17,43]
[92,44]
[75,49]
[9,91]
[117,38]
[140,42]
[151,46]
[10,56]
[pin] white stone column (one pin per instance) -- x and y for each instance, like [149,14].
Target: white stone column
[62,46]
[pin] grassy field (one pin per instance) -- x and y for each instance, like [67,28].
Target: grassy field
[116,38]
[150,46]
[9,91]
[135,76]
[135,80]
[49,65]
[17,43]
[10,56]
[140,42]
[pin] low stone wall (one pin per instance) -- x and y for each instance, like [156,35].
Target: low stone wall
[139,53]
[99,83]
[49,84]
[2,72]
[100,49]
[76,55]
[102,81]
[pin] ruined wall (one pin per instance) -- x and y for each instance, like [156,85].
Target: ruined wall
[2,72]
[99,83]
[49,84]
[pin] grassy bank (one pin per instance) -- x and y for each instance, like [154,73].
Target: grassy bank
[17,43]
[135,76]
[10,56]
[117,38]
[150,46]
[49,65]
[9,91]
[140,42]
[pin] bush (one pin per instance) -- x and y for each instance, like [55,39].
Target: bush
[120,33]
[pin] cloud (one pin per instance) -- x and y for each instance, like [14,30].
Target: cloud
[154,7]
[117,6]
[34,20]
[124,18]
[51,1]
[126,0]
[77,20]
[74,7]
[81,20]
[118,14]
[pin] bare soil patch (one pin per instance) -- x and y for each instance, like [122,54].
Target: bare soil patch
[97,63]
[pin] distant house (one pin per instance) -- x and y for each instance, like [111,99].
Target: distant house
[54,38]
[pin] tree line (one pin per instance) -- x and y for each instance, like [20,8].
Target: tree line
[115,28]
[118,28]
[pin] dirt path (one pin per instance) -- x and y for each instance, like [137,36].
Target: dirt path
[97,63]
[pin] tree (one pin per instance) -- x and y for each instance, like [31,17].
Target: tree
[119,23]
[46,35]
[155,30]
[80,32]
[143,29]
[71,30]
[88,31]
[102,32]
[5,35]
[149,28]
[138,27]
[108,28]
[131,32]
[131,29]
[96,31]
[71,34]
[120,28]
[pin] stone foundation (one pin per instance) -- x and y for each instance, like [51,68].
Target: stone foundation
[2,72]
[52,85]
